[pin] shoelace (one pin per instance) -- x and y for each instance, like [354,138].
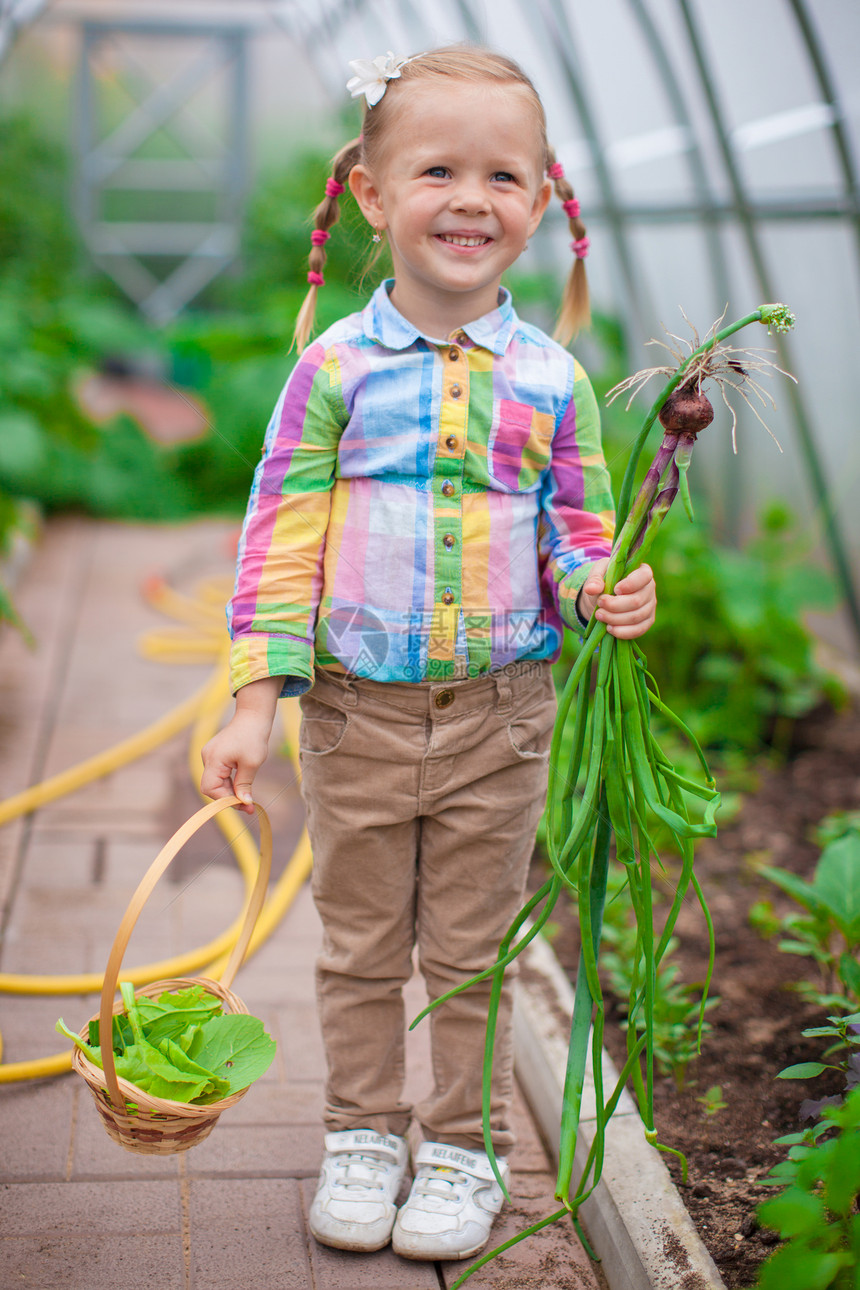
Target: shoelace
[356,1169]
[442,1183]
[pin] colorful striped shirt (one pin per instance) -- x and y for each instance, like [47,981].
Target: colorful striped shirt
[424,509]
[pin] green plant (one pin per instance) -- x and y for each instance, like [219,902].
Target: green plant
[829,930]
[742,685]
[17,523]
[764,919]
[677,1025]
[37,242]
[49,450]
[54,325]
[845,1032]
[816,1213]
[712,1100]
[677,1028]
[741,688]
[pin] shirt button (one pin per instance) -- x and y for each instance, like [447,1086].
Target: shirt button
[453,354]
[451,441]
[447,597]
[448,489]
[456,391]
[444,698]
[448,540]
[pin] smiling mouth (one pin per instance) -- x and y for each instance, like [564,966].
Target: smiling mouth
[454,239]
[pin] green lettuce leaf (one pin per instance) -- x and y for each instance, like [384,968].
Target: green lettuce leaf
[172,1013]
[149,1069]
[235,1047]
[122,1035]
[169,1073]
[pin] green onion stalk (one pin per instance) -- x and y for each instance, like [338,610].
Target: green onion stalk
[616,780]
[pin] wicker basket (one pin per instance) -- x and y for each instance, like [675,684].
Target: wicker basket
[141,1123]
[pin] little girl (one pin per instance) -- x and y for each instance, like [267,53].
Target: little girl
[432,506]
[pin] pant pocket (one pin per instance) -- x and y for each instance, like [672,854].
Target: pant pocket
[323,727]
[529,747]
[531,723]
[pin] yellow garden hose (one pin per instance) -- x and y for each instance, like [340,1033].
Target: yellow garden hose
[201,639]
[113,758]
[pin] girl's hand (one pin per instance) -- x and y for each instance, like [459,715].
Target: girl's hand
[630,610]
[232,758]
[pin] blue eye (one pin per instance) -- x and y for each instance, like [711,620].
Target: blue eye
[504,177]
[437,172]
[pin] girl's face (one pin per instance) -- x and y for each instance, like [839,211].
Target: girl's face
[459,189]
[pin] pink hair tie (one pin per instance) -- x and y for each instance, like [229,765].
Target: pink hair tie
[316,279]
[556,170]
[580,247]
[333,188]
[320,236]
[571,207]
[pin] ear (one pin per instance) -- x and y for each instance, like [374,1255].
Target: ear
[541,202]
[365,190]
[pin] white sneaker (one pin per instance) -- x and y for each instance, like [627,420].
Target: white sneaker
[360,1177]
[451,1206]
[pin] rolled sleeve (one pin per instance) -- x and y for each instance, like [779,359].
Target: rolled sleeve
[273,612]
[577,514]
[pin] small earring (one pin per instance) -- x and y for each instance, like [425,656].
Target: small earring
[376,236]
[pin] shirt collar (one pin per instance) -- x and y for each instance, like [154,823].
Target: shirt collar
[383,323]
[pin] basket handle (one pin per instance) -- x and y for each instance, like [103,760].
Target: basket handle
[139,899]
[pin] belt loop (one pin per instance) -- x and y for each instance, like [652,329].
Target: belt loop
[343,685]
[504,696]
[350,694]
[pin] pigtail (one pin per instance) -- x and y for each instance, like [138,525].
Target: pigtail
[575,312]
[326,214]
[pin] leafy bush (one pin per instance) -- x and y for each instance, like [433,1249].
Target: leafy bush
[37,242]
[828,928]
[56,324]
[729,647]
[49,450]
[816,1214]
[53,326]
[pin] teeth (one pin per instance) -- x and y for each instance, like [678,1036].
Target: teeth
[464,241]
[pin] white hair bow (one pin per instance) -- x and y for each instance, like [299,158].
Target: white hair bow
[373,74]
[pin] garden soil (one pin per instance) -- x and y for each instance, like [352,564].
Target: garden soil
[756,1028]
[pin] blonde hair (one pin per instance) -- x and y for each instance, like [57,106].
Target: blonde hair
[454,62]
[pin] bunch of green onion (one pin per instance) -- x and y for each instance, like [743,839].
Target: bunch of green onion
[628,779]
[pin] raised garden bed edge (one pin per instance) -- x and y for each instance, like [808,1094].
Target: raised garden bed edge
[635,1220]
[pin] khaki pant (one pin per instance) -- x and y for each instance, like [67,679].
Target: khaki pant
[422,804]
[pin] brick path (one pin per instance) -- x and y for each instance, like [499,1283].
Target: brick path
[75,1209]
